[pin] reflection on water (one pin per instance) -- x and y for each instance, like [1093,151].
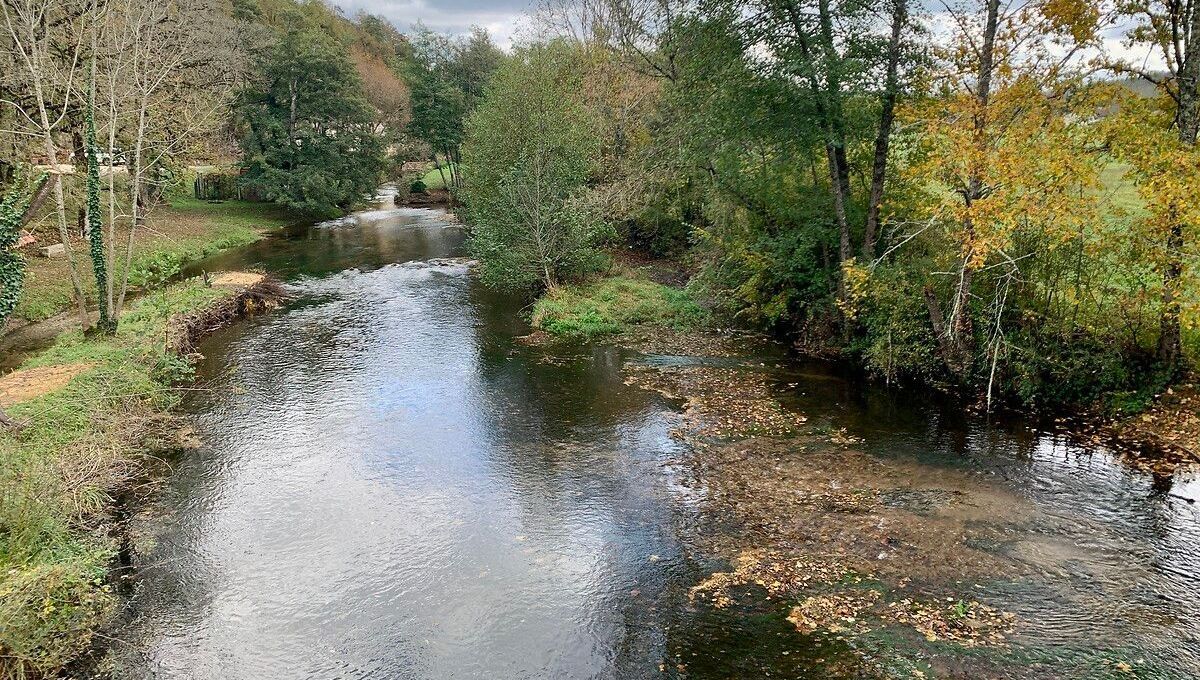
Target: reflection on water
[390,486]
[389,489]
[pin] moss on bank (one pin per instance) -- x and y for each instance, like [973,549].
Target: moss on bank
[58,476]
[614,305]
[186,231]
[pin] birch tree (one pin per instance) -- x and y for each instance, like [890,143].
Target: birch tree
[1002,143]
[176,63]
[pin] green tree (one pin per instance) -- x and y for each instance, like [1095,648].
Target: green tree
[307,131]
[531,147]
[448,79]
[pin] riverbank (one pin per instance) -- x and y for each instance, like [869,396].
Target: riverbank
[93,410]
[640,298]
[183,231]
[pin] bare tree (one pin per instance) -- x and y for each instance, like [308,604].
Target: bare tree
[642,31]
[169,70]
[44,46]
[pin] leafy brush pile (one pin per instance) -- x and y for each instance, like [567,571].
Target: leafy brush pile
[614,305]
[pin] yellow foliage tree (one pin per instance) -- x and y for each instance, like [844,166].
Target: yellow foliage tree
[1004,143]
[1159,140]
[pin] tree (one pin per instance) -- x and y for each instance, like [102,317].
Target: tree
[95,220]
[22,198]
[448,79]
[531,147]
[887,118]
[169,70]
[1166,170]
[307,130]
[36,31]
[1003,142]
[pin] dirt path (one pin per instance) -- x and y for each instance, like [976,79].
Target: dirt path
[27,383]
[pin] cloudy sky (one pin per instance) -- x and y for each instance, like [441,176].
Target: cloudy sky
[500,17]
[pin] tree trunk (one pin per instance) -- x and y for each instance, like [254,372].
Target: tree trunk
[827,99]
[135,197]
[39,197]
[95,222]
[961,326]
[938,321]
[441,172]
[835,148]
[1170,338]
[64,233]
[887,117]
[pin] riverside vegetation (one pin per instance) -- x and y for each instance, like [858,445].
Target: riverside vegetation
[985,198]
[995,209]
[80,443]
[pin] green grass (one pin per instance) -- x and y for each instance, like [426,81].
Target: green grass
[186,231]
[433,178]
[613,305]
[57,475]
[1120,193]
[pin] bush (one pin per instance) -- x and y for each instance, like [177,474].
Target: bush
[613,305]
[418,187]
[897,341]
[1050,369]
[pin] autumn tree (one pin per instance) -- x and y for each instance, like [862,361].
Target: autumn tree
[1159,141]
[165,72]
[1004,146]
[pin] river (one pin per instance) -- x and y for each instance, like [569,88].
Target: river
[390,485]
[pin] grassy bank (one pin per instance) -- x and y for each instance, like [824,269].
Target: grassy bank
[82,444]
[613,305]
[177,234]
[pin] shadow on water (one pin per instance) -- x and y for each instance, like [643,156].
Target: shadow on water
[391,486]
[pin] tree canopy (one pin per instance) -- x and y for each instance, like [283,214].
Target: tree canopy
[309,140]
[531,147]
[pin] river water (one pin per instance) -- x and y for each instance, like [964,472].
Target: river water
[390,485]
